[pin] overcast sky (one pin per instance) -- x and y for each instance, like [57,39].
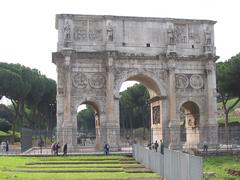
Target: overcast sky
[28,35]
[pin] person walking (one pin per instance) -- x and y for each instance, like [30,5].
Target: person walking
[161,147]
[205,146]
[53,148]
[7,147]
[65,149]
[57,146]
[156,145]
[106,148]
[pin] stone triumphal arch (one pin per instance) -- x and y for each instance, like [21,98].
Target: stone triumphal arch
[173,58]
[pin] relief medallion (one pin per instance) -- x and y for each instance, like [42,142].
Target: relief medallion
[97,81]
[80,80]
[196,81]
[181,81]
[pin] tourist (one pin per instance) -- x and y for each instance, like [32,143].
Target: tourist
[205,146]
[7,146]
[65,149]
[40,144]
[150,146]
[161,147]
[3,144]
[57,146]
[106,148]
[156,146]
[53,148]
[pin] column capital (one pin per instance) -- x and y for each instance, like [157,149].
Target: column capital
[171,66]
[210,67]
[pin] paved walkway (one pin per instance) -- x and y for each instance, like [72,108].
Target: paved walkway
[81,151]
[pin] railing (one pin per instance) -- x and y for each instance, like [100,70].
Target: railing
[173,165]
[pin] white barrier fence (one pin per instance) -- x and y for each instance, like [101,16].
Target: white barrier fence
[173,165]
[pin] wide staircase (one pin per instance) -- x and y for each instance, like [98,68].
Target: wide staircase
[99,167]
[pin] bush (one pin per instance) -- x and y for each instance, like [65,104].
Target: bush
[5,125]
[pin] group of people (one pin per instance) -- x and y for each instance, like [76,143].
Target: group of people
[5,146]
[55,148]
[155,146]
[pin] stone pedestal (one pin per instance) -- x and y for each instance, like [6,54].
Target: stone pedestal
[174,133]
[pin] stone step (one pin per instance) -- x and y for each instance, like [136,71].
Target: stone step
[145,178]
[95,159]
[85,166]
[66,171]
[82,162]
[137,170]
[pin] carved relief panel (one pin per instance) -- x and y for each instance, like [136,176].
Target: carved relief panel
[86,30]
[83,80]
[156,114]
[180,33]
[194,33]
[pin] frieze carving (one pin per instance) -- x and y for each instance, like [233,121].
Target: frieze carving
[180,33]
[80,80]
[97,81]
[156,114]
[196,81]
[95,31]
[194,34]
[80,31]
[88,31]
[181,81]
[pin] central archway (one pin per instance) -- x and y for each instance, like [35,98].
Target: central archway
[157,119]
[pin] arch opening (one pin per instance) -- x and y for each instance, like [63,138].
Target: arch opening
[141,118]
[88,123]
[189,124]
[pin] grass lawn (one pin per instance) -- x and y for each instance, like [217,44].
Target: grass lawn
[23,168]
[220,164]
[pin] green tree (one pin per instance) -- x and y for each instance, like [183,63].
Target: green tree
[5,125]
[228,86]
[31,94]
[86,119]
[14,88]
[134,107]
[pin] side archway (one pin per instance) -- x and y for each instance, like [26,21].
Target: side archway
[189,124]
[88,137]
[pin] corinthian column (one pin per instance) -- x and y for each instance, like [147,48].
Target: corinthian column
[112,124]
[174,126]
[67,125]
[212,104]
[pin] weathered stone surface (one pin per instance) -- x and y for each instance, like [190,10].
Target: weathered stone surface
[173,58]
